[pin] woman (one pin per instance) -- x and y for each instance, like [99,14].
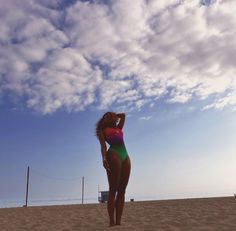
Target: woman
[115,160]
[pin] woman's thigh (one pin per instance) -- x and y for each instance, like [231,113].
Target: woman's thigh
[114,174]
[125,174]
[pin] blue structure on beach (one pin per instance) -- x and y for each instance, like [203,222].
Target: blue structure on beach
[103,196]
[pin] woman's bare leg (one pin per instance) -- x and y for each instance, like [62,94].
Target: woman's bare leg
[124,179]
[113,179]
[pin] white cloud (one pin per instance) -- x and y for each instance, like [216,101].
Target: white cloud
[145,117]
[228,100]
[124,54]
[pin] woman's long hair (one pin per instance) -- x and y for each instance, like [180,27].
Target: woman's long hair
[101,124]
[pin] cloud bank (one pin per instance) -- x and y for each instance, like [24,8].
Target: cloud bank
[124,54]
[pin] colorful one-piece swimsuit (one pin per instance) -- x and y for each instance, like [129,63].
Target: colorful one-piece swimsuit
[114,137]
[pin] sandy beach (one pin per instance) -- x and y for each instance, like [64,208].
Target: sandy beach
[218,214]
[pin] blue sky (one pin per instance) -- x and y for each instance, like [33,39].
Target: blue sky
[62,67]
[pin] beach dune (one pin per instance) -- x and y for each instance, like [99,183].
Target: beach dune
[216,214]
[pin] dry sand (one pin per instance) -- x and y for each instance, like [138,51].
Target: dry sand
[183,214]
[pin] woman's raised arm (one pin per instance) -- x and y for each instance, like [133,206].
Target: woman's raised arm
[122,120]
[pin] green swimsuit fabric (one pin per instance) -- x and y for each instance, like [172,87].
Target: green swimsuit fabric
[120,150]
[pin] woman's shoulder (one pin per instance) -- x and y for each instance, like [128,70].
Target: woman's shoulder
[110,129]
[107,129]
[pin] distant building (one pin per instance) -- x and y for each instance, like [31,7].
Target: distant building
[103,197]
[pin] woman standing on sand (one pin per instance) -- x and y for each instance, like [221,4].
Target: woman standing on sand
[115,160]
